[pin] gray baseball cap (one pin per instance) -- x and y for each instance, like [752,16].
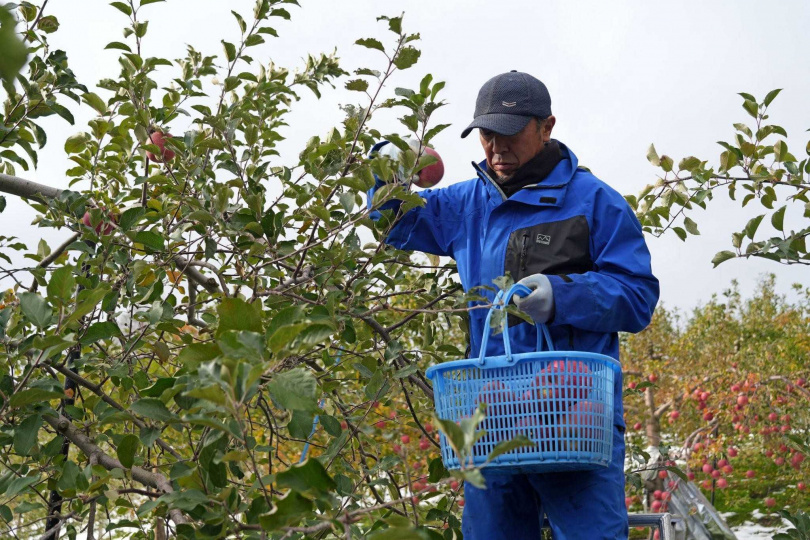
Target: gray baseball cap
[507,102]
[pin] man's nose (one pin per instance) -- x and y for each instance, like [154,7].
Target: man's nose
[499,144]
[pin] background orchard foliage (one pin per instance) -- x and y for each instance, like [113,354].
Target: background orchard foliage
[723,392]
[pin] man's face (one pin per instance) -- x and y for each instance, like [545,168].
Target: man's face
[506,154]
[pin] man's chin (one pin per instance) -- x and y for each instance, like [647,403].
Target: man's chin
[502,177]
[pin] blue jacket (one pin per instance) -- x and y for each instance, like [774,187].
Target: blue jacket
[571,226]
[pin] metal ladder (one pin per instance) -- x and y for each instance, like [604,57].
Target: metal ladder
[662,522]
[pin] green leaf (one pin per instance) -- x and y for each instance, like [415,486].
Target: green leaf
[15,53]
[33,395]
[140,29]
[780,151]
[62,112]
[282,337]
[195,354]
[778,219]
[87,301]
[722,257]
[407,57]
[100,331]
[521,441]
[126,450]
[230,50]
[36,309]
[118,45]
[122,7]
[130,217]
[152,408]
[150,239]
[76,143]
[690,225]
[750,107]
[287,510]
[770,97]
[254,39]
[25,434]
[295,390]
[357,85]
[61,284]
[309,477]
[331,425]
[453,432]
[436,470]
[370,43]
[96,102]
[213,393]
[300,425]
[752,226]
[237,314]
[18,485]
[728,160]
[652,156]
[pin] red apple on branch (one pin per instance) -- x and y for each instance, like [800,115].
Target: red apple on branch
[158,138]
[433,173]
[103,227]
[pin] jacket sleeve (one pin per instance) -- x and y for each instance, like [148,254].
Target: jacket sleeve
[432,228]
[620,294]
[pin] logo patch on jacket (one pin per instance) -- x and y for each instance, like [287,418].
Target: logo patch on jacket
[544,239]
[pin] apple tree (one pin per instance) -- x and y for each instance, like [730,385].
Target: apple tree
[755,167]
[222,346]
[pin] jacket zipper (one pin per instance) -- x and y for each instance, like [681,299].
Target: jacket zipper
[484,175]
[523,252]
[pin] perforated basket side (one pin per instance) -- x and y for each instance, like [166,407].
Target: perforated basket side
[563,401]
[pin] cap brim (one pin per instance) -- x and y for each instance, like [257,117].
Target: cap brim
[504,124]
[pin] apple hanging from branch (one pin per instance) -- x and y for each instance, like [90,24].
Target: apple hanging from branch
[158,138]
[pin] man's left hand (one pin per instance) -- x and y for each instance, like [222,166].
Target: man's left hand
[539,305]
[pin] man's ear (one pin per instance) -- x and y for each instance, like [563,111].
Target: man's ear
[548,125]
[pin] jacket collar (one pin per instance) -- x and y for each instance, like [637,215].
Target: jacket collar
[550,191]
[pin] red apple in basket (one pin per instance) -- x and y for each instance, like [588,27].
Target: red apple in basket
[497,396]
[532,427]
[584,420]
[559,384]
[501,405]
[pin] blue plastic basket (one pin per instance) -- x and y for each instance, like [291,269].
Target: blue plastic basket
[561,400]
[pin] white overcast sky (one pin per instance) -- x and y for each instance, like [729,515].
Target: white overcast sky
[622,75]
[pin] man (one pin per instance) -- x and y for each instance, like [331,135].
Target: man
[576,243]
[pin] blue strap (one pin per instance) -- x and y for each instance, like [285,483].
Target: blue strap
[315,421]
[501,301]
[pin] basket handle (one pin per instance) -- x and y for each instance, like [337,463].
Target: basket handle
[501,301]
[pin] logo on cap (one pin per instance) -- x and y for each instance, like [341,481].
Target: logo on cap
[508,103]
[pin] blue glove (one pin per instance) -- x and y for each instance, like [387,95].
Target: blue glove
[390,150]
[539,305]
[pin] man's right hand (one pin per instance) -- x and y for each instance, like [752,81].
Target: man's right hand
[383,148]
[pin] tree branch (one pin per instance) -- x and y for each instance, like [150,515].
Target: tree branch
[96,389]
[154,480]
